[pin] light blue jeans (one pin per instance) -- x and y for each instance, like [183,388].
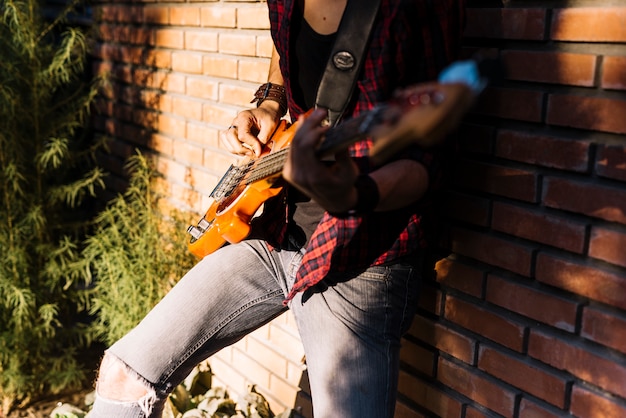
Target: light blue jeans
[350,329]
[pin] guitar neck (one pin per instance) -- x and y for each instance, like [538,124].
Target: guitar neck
[336,139]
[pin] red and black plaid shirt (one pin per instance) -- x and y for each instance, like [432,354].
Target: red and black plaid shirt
[412,41]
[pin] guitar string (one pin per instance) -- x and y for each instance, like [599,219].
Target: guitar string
[272,163]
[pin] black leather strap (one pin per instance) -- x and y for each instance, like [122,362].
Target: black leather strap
[346,57]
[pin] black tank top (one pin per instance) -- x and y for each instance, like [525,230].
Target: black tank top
[309,54]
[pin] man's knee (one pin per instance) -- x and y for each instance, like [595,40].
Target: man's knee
[116,382]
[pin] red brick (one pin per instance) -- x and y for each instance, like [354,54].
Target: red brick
[201,41]
[133,55]
[253,70]
[528,378]
[234,94]
[532,303]
[611,161]
[605,373]
[219,16]
[187,62]
[187,108]
[135,134]
[417,357]
[430,299]
[463,207]
[184,16]
[201,87]
[484,391]
[529,409]
[613,74]
[591,113]
[156,14]
[535,225]
[108,52]
[586,403]
[256,17]
[493,250]
[508,103]
[476,138]
[171,125]
[160,103]
[161,143]
[550,67]
[123,112]
[149,78]
[172,170]
[221,66]
[121,34]
[267,355]
[589,24]
[502,23]
[608,245]
[218,161]
[583,280]
[264,45]
[159,59]
[485,323]
[471,412]
[405,411]
[496,179]
[237,44]
[202,182]
[591,199]
[141,36]
[188,153]
[428,396]
[105,32]
[604,327]
[461,277]
[123,73]
[443,338]
[543,150]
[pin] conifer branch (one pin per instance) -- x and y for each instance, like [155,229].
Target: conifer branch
[68,9]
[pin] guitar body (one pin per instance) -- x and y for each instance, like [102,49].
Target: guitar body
[228,218]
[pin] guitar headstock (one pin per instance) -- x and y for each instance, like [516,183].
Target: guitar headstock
[426,113]
[423,114]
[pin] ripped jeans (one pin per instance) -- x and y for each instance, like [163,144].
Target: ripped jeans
[350,329]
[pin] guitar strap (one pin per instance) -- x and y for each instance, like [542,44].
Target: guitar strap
[346,57]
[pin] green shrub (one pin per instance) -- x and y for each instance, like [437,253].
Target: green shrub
[47,172]
[136,255]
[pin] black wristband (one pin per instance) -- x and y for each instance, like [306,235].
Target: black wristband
[367,194]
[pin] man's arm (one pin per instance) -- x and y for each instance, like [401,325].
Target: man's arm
[397,184]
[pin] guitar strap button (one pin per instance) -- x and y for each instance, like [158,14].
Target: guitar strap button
[344,60]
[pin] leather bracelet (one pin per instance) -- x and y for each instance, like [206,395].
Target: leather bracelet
[274,92]
[367,194]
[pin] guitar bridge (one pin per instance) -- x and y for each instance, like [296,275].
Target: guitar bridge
[230,180]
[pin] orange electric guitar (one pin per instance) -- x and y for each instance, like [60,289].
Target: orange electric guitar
[421,114]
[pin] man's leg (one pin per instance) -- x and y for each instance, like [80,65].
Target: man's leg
[351,332]
[224,297]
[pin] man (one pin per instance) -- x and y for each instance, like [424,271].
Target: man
[341,248]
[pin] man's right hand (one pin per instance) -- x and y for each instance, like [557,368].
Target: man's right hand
[251,130]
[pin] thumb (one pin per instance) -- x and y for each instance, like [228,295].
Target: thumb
[265,132]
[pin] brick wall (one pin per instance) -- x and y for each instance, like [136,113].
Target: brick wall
[526,316]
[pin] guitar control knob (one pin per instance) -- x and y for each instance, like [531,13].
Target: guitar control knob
[203,224]
[194,231]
